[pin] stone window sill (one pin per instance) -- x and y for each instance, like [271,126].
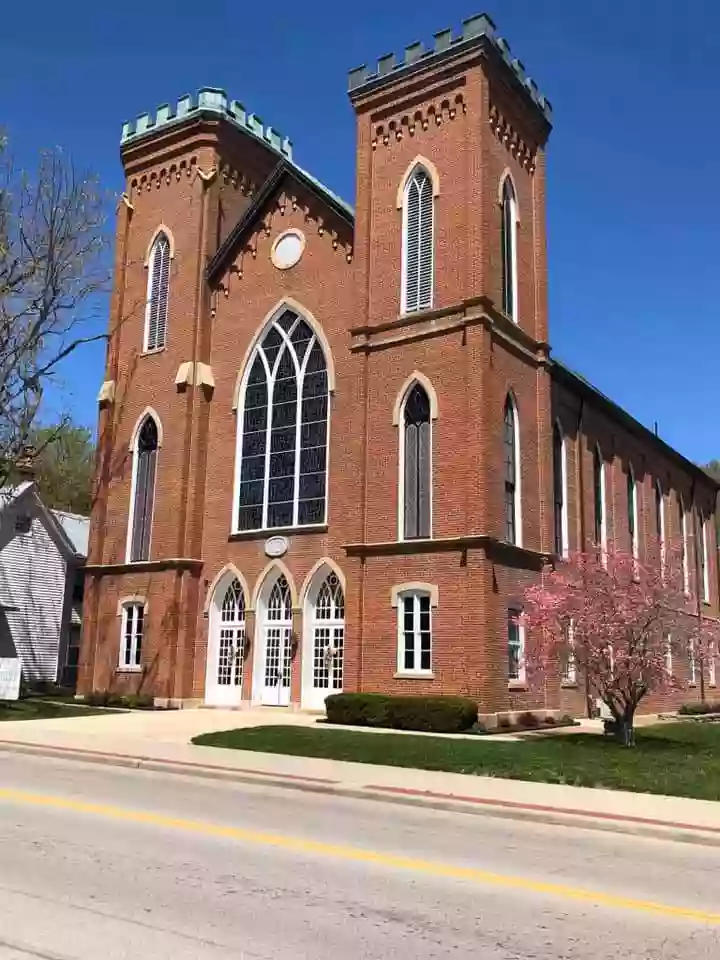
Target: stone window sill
[569,685]
[154,352]
[414,675]
[129,670]
[518,685]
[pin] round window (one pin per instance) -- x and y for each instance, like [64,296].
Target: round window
[287,249]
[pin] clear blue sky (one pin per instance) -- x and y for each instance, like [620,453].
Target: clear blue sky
[633,198]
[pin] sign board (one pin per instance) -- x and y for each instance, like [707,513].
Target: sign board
[10,670]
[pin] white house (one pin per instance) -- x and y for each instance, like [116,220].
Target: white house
[42,553]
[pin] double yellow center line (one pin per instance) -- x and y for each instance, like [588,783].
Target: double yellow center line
[357,855]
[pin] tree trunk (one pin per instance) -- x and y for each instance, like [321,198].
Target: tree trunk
[625,731]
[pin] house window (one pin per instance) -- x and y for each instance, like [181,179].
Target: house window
[416,465]
[668,656]
[712,668]
[417,262]
[516,646]
[682,522]
[283,430]
[156,310]
[632,513]
[144,470]
[511,444]
[133,623]
[560,492]
[415,633]
[599,500]
[508,239]
[704,561]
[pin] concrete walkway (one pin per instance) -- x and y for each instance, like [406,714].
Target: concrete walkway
[160,741]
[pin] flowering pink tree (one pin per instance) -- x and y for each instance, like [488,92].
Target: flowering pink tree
[619,623]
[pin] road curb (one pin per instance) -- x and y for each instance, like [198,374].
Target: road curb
[425,799]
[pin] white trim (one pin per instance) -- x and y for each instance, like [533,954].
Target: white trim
[404,392]
[399,601]
[226,695]
[137,636]
[312,697]
[668,656]
[162,228]
[233,573]
[291,232]
[147,412]
[401,460]
[270,573]
[410,169]
[409,180]
[692,663]
[414,586]
[323,562]
[569,677]
[151,266]
[712,666]
[261,598]
[240,408]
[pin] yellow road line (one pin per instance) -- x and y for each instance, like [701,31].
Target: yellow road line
[357,855]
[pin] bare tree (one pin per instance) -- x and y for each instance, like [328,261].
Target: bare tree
[53,268]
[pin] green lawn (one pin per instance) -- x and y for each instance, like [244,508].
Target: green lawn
[32,709]
[679,759]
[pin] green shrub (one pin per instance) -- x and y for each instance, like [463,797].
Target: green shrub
[528,719]
[550,721]
[431,714]
[504,722]
[697,709]
[138,701]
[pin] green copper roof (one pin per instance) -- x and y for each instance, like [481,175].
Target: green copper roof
[214,101]
[475,30]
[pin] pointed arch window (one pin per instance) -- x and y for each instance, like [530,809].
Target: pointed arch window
[143,493]
[660,523]
[329,634]
[417,247]
[156,311]
[599,499]
[511,444]
[682,524]
[416,465]
[508,240]
[560,492]
[232,637]
[632,512]
[283,430]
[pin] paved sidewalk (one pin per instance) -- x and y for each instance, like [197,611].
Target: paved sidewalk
[160,741]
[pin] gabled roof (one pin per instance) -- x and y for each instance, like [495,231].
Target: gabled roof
[583,387]
[72,531]
[272,186]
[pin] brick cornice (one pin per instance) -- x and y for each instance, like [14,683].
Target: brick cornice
[144,566]
[493,547]
[475,311]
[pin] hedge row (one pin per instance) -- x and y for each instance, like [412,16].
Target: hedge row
[431,714]
[130,701]
[696,709]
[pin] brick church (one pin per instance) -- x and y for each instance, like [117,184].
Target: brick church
[334,447]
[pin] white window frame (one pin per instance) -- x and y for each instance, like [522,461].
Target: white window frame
[712,666]
[603,503]
[152,267]
[661,531]
[685,564]
[706,572]
[564,514]
[518,477]
[668,656]
[569,678]
[404,308]
[514,220]
[521,679]
[148,413]
[240,415]
[401,463]
[130,614]
[692,663]
[636,537]
[399,597]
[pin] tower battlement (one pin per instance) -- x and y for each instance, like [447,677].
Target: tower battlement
[475,31]
[208,100]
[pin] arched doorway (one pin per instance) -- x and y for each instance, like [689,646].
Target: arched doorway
[226,647]
[324,639]
[273,651]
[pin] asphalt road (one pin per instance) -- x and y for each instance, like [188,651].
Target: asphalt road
[99,862]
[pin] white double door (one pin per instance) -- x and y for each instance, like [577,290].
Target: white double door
[277,664]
